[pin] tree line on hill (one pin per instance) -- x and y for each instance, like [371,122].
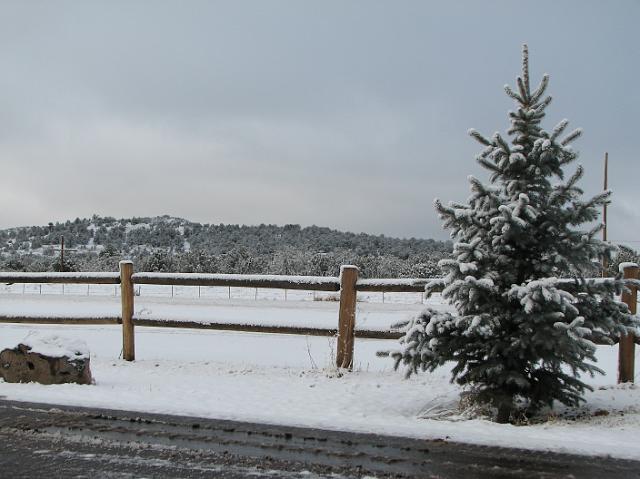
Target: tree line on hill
[169,244]
[166,244]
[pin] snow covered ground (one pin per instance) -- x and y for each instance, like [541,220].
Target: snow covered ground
[320,314]
[288,379]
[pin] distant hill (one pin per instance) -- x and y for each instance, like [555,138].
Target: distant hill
[166,243]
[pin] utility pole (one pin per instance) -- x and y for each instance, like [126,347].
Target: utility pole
[62,254]
[605,262]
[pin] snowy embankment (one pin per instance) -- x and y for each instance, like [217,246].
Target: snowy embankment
[288,379]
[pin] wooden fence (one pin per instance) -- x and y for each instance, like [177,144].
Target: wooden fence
[347,284]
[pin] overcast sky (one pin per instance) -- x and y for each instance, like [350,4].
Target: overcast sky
[347,114]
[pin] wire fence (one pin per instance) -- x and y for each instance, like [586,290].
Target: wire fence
[206,292]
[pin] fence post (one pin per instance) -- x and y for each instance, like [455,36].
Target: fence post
[627,346]
[346,316]
[126,295]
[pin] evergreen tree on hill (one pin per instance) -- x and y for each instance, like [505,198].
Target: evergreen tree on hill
[522,336]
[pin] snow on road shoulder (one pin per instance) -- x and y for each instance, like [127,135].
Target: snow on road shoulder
[288,379]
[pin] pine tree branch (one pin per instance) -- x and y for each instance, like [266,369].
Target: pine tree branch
[525,66]
[479,137]
[571,137]
[542,87]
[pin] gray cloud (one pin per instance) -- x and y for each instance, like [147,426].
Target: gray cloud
[346,114]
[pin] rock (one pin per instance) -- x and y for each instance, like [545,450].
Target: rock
[45,361]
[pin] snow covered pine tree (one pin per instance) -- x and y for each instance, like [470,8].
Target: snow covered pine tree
[527,319]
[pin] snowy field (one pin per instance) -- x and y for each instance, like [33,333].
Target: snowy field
[289,379]
[320,314]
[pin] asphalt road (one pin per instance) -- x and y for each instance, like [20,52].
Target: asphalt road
[46,441]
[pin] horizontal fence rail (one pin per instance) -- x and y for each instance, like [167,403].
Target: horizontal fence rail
[348,284]
[310,283]
[258,328]
[173,323]
[61,278]
[86,321]
[307,283]
[409,285]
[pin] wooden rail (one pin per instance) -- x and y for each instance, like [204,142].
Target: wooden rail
[310,283]
[348,284]
[410,285]
[172,323]
[258,328]
[57,320]
[64,278]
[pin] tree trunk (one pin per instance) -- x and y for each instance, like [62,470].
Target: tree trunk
[504,412]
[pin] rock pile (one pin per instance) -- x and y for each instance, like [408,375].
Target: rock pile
[47,360]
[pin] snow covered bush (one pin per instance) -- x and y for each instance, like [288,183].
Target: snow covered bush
[527,318]
[625,255]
